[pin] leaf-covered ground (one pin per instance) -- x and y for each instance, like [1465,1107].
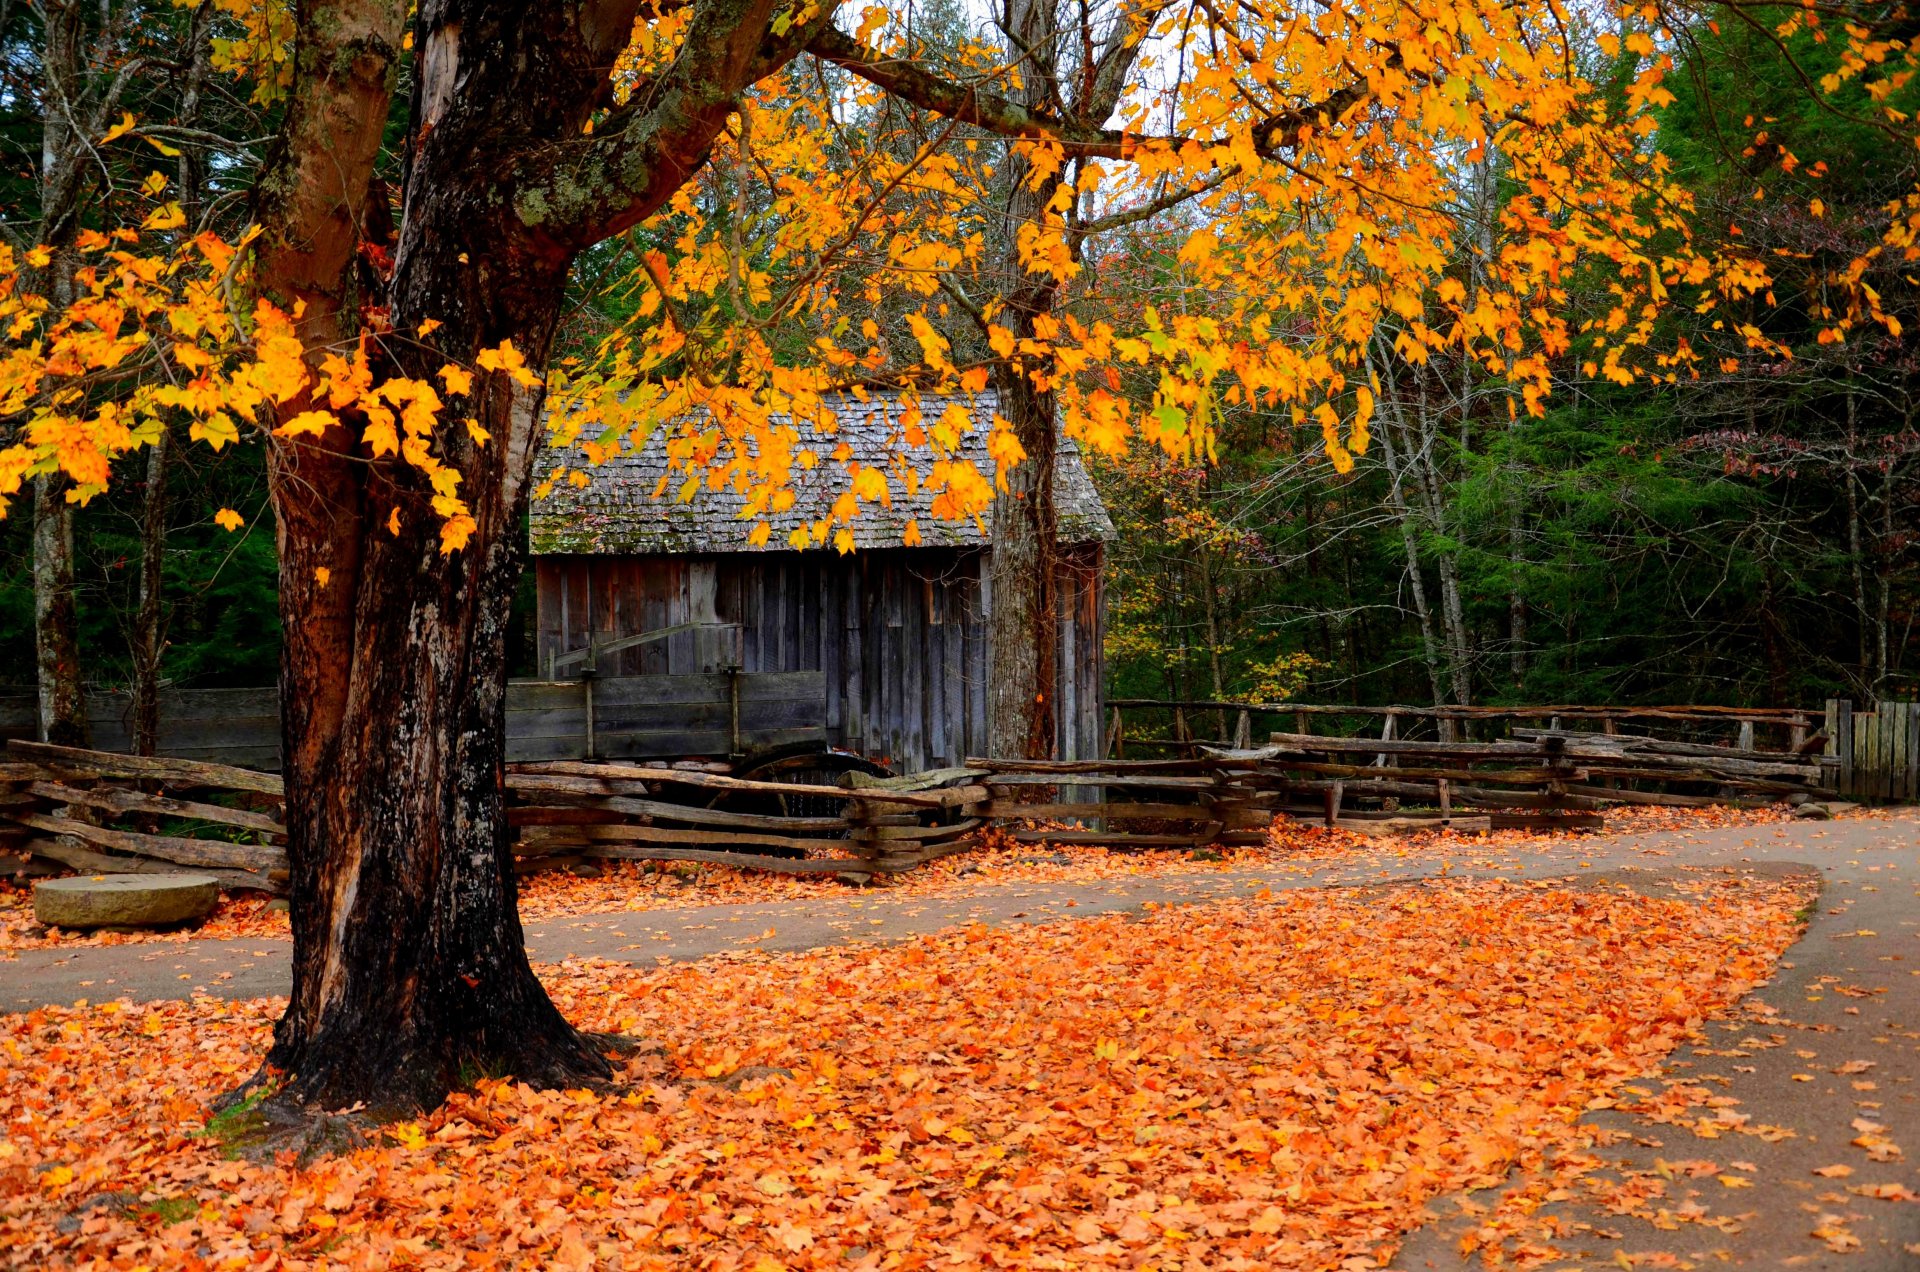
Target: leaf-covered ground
[645,886]
[1277,1082]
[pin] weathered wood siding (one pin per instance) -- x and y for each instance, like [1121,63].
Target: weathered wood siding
[634,717]
[229,726]
[882,652]
[899,637]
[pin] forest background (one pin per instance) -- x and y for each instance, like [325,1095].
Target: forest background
[1744,537]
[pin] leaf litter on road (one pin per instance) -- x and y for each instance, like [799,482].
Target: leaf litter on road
[1280,1081]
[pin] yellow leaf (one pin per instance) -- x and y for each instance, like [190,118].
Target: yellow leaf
[120,129]
[322,575]
[479,435]
[229,520]
[458,379]
[393,522]
[510,360]
[168,216]
[427,327]
[315,422]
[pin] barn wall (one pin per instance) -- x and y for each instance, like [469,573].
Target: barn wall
[899,636]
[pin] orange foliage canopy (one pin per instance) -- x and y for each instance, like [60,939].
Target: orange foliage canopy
[1307,160]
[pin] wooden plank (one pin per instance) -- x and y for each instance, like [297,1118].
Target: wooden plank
[1098,777]
[1110,766]
[184,772]
[701,838]
[69,851]
[190,852]
[1912,766]
[928,780]
[616,774]
[126,801]
[1513,777]
[181,705]
[876,834]
[743,861]
[1627,744]
[531,784]
[1011,810]
[1319,744]
[1843,735]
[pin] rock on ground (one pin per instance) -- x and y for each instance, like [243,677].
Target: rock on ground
[144,900]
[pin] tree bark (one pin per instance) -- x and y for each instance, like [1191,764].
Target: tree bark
[1024,561]
[63,714]
[410,967]
[149,622]
[1409,542]
[1024,565]
[63,181]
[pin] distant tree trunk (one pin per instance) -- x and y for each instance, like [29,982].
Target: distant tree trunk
[63,715]
[1516,605]
[149,625]
[1452,612]
[1409,542]
[63,178]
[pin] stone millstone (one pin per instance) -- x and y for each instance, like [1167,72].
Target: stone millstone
[142,900]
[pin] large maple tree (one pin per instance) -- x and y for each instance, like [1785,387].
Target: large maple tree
[396,346]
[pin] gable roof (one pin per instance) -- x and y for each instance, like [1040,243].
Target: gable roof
[617,513]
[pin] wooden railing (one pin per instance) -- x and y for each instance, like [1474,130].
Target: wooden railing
[1237,723]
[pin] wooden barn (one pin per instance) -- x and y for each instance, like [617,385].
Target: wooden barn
[698,643]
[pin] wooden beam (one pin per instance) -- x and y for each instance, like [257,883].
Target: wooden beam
[160,768]
[189,852]
[120,800]
[69,851]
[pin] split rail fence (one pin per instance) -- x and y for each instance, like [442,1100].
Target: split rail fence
[102,812]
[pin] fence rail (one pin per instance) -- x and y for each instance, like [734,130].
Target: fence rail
[1235,722]
[100,811]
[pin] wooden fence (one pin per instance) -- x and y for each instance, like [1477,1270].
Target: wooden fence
[1184,726]
[1876,753]
[106,812]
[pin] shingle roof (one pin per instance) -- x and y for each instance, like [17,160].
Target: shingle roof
[618,513]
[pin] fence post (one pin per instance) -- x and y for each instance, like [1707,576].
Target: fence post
[1840,740]
[1746,735]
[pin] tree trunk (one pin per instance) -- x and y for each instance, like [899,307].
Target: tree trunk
[63,714]
[1409,542]
[63,178]
[149,626]
[1024,565]
[410,967]
[1020,688]
[149,623]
